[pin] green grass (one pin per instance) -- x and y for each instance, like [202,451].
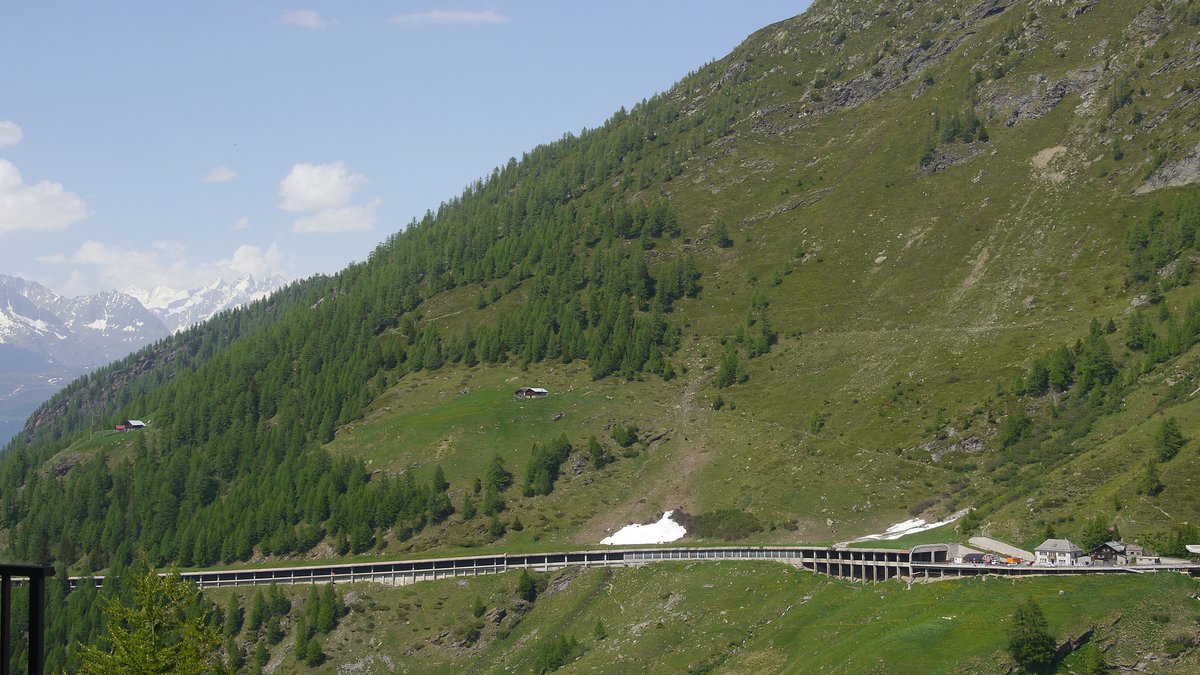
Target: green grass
[750,617]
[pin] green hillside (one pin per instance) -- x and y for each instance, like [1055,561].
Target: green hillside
[882,261]
[741,617]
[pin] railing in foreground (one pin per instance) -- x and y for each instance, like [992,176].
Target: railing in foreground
[37,615]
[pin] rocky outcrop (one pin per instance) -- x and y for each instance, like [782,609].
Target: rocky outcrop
[951,155]
[1176,173]
[1042,98]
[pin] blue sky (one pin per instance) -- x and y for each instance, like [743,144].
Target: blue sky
[170,143]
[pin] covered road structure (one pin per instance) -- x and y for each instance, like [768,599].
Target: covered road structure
[926,562]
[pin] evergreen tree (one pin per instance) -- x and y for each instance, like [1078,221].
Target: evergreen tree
[496,528]
[1014,427]
[1096,364]
[468,510]
[1029,641]
[730,371]
[439,480]
[599,454]
[492,503]
[1097,531]
[1150,484]
[234,616]
[526,588]
[274,631]
[302,636]
[1168,439]
[155,632]
[258,606]
[498,477]
[315,656]
[327,614]
[277,603]
[721,235]
[237,655]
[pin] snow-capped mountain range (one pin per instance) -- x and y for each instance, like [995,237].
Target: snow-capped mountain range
[183,309]
[46,339]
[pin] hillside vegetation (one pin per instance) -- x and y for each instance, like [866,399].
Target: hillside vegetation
[883,260]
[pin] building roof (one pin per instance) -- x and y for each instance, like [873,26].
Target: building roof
[1058,546]
[136,423]
[1114,545]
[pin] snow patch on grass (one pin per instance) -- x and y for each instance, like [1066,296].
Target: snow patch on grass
[663,531]
[911,526]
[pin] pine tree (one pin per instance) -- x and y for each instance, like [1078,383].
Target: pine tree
[498,477]
[258,606]
[526,588]
[327,615]
[439,480]
[721,235]
[1168,439]
[156,632]
[234,616]
[1150,484]
[1029,641]
[730,371]
[492,503]
[302,635]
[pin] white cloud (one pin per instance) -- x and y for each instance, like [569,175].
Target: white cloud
[318,187]
[447,17]
[44,206]
[161,263]
[305,18]
[10,133]
[241,224]
[253,260]
[221,174]
[344,219]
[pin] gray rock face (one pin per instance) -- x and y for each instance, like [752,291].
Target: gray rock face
[1176,173]
[1042,98]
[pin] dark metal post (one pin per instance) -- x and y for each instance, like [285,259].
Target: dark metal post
[5,623]
[37,622]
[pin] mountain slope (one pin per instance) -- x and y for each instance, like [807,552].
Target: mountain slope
[885,216]
[46,339]
[881,261]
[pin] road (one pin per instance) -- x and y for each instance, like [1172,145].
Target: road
[860,564]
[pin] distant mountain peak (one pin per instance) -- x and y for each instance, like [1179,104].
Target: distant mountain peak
[47,338]
[182,309]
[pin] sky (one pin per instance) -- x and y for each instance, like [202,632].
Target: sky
[172,143]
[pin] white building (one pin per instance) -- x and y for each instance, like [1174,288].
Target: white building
[1057,552]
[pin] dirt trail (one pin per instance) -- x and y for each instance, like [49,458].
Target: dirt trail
[662,482]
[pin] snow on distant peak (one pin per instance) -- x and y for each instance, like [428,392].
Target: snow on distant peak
[180,310]
[158,298]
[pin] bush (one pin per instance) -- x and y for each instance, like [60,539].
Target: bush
[555,653]
[727,524]
[625,435]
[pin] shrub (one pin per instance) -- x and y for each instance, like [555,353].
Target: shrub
[555,653]
[625,435]
[727,524]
